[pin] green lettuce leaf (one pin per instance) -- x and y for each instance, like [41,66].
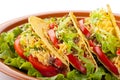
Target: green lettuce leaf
[109,43]
[23,65]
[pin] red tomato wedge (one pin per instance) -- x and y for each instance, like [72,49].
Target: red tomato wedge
[57,63]
[103,58]
[91,43]
[118,52]
[76,63]
[18,48]
[52,25]
[47,71]
[52,36]
[84,29]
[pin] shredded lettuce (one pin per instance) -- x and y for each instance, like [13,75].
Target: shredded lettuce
[109,43]
[67,33]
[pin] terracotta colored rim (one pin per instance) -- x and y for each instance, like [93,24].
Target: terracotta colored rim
[19,21]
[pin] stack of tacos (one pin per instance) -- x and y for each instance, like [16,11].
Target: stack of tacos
[59,45]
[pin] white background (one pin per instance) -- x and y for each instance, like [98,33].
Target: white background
[10,9]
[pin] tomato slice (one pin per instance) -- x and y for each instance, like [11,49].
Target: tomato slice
[84,29]
[118,52]
[58,63]
[18,48]
[91,43]
[51,34]
[76,63]
[103,58]
[47,71]
[52,25]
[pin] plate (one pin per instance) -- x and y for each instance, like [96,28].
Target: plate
[13,72]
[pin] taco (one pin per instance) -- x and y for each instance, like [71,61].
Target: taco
[37,50]
[103,35]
